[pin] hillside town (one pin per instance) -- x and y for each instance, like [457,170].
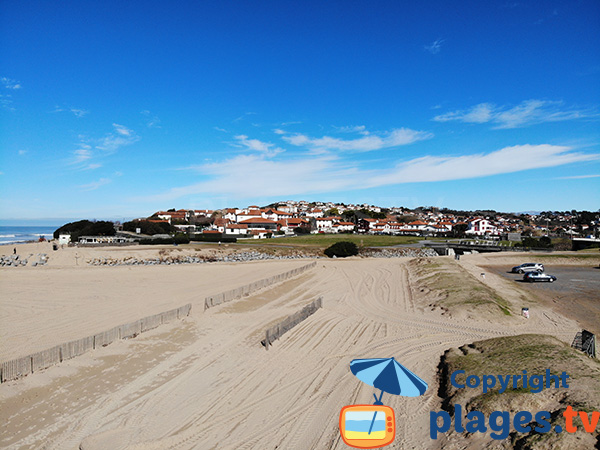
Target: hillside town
[302,217]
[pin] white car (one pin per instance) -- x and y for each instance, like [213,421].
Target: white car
[528,267]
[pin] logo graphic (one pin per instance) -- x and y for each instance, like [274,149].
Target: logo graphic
[374,426]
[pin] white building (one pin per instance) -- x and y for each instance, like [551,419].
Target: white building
[481,227]
[236,229]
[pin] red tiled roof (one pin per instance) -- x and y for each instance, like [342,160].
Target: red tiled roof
[257,232]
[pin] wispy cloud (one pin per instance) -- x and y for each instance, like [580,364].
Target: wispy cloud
[435,47]
[243,116]
[95,184]
[79,112]
[10,84]
[578,177]
[82,153]
[360,129]
[369,142]
[529,112]
[121,136]
[327,173]
[76,111]
[22,152]
[152,120]
[6,102]
[89,150]
[93,166]
[222,130]
[256,145]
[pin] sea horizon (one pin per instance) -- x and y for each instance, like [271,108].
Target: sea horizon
[18,234]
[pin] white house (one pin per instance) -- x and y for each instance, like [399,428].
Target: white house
[236,229]
[260,224]
[481,227]
[345,226]
[275,215]
[317,212]
[251,214]
[324,224]
[417,225]
[230,213]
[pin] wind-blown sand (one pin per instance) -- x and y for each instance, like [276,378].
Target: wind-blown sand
[206,382]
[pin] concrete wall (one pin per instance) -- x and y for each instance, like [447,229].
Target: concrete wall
[20,367]
[248,289]
[276,331]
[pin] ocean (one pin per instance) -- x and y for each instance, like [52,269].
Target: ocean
[16,234]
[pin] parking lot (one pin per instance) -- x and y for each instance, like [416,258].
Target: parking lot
[575,293]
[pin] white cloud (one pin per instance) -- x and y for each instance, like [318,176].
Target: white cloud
[95,184]
[6,102]
[266,148]
[83,153]
[89,150]
[321,174]
[10,84]
[79,112]
[76,111]
[22,152]
[578,177]
[279,131]
[120,137]
[435,47]
[370,142]
[122,130]
[222,130]
[360,129]
[527,113]
[506,160]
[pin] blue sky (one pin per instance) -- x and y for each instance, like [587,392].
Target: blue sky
[119,109]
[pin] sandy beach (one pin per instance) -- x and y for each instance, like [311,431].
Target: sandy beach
[206,381]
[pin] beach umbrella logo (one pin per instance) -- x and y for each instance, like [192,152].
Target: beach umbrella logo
[374,426]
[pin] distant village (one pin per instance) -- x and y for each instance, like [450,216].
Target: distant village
[302,217]
[292,218]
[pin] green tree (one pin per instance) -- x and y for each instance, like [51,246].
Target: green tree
[342,249]
[459,230]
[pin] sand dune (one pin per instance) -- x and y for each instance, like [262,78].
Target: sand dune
[207,382]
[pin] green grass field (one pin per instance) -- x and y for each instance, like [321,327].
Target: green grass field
[325,240]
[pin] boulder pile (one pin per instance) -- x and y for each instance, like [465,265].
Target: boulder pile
[398,252]
[191,259]
[17,260]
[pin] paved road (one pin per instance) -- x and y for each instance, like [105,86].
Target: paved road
[569,280]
